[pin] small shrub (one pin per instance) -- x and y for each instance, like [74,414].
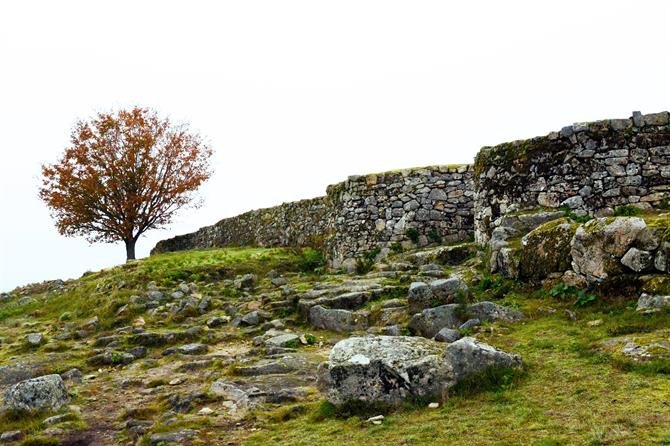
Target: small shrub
[568,212]
[310,338]
[324,411]
[311,259]
[287,413]
[563,292]
[490,380]
[461,310]
[434,236]
[412,234]
[365,262]
[585,300]
[627,211]
[396,247]
[664,205]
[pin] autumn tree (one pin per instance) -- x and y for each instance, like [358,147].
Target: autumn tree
[123,174]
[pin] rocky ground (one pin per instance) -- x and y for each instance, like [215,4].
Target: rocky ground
[241,346]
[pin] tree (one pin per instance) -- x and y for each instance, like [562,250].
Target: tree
[124,173]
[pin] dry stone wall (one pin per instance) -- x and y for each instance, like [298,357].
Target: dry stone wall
[429,205]
[356,216]
[591,168]
[298,223]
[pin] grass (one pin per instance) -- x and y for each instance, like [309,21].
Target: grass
[572,390]
[570,393]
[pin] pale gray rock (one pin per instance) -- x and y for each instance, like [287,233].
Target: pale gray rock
[342,321]
[34,339]
[469,357]
[638,260]
[11,436]
[448,335]
[490,312]
[599,244]
[193,349]
[431,320]
[42,393]
[283,340]
[648,303]
[391,369]
[419,297]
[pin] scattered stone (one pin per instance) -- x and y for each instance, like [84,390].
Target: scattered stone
[73,375]
[342,321]
[433,405]
[651,304]
[420,297]
[206,411]
[470,323]
[35,339]
[430,321]
[391,330]
[245,282]
[265,368]
[217,321]
[490,312]
[43,393]
[55,419]
[595,323]
[193,349]
[638,260]
[377,420]
[10,436]
[448,335]
[138,352]
[284,340]
[173,437]
[229,391]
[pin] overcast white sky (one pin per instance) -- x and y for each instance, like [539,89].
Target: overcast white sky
[295,95]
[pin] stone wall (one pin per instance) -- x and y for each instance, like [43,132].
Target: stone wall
[356,216]
[591,168]
[377,210]
[298,223]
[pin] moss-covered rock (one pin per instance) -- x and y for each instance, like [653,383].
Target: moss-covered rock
[546,249]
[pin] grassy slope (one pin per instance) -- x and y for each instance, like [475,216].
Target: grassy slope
[572,393]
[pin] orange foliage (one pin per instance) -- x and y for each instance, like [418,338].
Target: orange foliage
[125,173]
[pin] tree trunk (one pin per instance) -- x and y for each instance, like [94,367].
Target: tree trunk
[130,249]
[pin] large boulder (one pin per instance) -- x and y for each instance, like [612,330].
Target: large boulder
[42,393]
[599,245]
[546,249]
[469,357]
[430,321]
[388,370]
[509,227]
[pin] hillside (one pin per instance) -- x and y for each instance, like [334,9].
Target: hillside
[222,346]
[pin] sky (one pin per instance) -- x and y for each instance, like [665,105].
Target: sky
[296,95]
